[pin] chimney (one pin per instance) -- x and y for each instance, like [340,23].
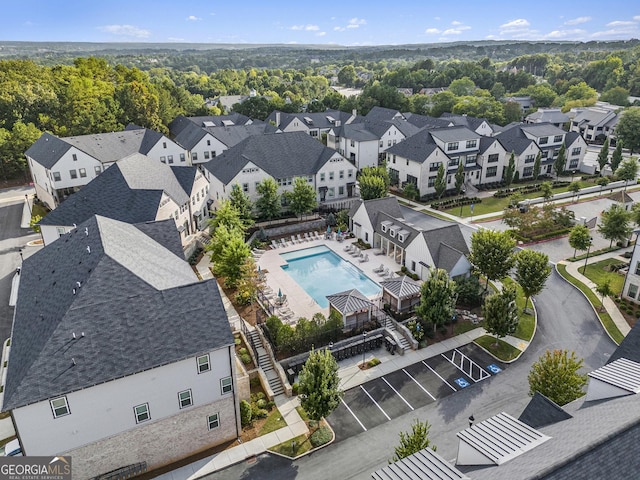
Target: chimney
[354,112]
[277,119]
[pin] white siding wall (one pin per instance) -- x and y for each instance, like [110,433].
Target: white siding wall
[361,218]
[334,166]
[107,409]
[66,164]
[366,153]
[390,138]
[417,252]
[165,148]
[297,126]
[503,160]
[200,193]
[249,175]
[201,147]
[42,183]
[51,233]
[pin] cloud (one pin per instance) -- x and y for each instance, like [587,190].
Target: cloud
[578,21]
[620,23]
[308,28]
[436,18]
[125,31]
[339,29]
[456,30]
[619,29]
[175,39]
[356,22]
[573,34]
[321,34]
[637,18]
[455,22]
[193,18]
[515,24]
[432,31]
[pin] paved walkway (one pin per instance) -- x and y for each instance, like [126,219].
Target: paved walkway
[573,268]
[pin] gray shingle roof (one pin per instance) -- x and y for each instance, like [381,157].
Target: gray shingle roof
[423,465]
[162,233]
[381,114]
[458,133]
[357,132]
[231,136]
[143,173]
[514,140]
[322,120]
[416,148]
[473,123]
[349,301]
[542,129]
[422,121]
[629,348]
[188,134]
[401,287]
[551,115]
[108,195]
[397,224]
[47,150]
[219,120]
[373,207]
[123,325]
[446,245]
[185,176]
[280,155]
[540,412]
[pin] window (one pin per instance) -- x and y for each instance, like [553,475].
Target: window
[225,385]
[170,158]
[182,157]
[492,171]
[493,158]
[573,163]
[322,177]
[413,266]
[638,268]
[206,155]
[431,182]
[557,139]
[472,143]
[381,143]
[59,407]
[388,143]
[185,399]
[330,175]
[341,174]
[194,155]
[213,153]
[453,162]
[340,190]
[332,192]
[394,159]
[208,143]
[203,363]
[83,172]
[56,176]
[544,140]
[633,291]
[527,172]
[213,421]
[245,187]
[529,159]
[163,159]
[75,157]
[164,144]
[471,160]
[452,146]
[353,143]
[73,174]
[576,151]
[97,169]
[350,173]
[142,412]
[60,231]
[433,167]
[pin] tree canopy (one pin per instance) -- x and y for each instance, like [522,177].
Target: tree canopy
[492,253]
[501,313]
[555,375]
[438,297]
[414,441]
[319,384]
[532,271]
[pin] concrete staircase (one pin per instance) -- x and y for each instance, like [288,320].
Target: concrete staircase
[388,323]
[266,363]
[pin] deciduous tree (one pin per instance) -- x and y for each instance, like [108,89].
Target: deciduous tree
[501,313]
[440,184]
[532,271]
[560,161]
[438,297]
[628,128]
[603,156]
[414,441]
[242,204]
[319,385]
[556,376]
[604,290]
[579,238]
[510,170]
[302,199]
[614,224]
[268,203]
[537,167]
[616,158]
[628,171]
[374,182]
[459,178]
[492,253]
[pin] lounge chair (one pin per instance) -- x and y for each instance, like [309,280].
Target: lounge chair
[384,272]
[378,251]
[379,269]
[316,236]
[356,252]
[307,236]
[364,258]
[293,240]
[274,244]
[300,239]
[347,248]
[283,242]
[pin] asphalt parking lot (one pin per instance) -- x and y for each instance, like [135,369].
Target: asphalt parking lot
[400,392]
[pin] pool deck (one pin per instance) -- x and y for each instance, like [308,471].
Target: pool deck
[299,301]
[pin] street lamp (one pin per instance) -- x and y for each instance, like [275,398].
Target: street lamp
[573,172]
[587,257]
[26,199]
[364,338]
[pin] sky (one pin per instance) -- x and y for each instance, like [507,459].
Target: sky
[348,23]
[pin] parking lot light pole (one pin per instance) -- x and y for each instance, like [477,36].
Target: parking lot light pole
[364,339]
[584,269]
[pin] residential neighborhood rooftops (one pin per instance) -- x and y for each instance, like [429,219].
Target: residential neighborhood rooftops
[416,148]
[447,245]
[103,302]
[388,205]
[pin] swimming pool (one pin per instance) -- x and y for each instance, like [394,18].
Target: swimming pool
[321,272]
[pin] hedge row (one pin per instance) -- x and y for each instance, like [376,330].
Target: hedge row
[454,202]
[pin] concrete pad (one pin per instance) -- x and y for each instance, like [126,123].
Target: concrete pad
[299,428]
[270,439]
[237,454]
[284,434]
[256,446]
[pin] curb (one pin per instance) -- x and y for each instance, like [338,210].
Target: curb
[309,452]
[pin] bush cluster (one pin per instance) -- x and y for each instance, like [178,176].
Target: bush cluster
[320,437]
[193,259]
[454,202]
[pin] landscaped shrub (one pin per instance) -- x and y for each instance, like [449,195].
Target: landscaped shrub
[262,403]
[320,436]
[245,358]
[261,396]
[259,413]
[237,340]
[294,389]
[242,351]
[373,362]
[245,413]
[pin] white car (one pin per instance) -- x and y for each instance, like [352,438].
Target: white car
[12,449]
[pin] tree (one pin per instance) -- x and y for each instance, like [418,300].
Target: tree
[319,385]
[510,170]
[628,128]
[414,441]
[440,184]
[462,87]
[579,238]
[438,297]
[537,166]
[501,313]
[635,213]
[374,182]
[347,76]
[228,215]
[628,171]
[560,162]
[604,290]
[532,271]
[268,204]
[303,197]
[616,158]
[411,191]
[459,178]
[575,188]
[603,156]
[233,254]
[242,204]
[492,253]
[546,188]
[555,375]
[603,182]
[614,224]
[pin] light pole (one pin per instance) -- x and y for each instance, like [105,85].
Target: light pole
[584,269]
[26,199]
[364,339]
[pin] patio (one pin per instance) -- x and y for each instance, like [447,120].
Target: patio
[297,299]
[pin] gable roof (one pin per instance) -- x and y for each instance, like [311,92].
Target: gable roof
[422,121]
[446,245]
[186,176]
[458,133]
[143,173]
[47,150]
[423,465]
[401,287]
[388,205]
[514,140]
[629,348]
[551,115]
[382,114]
[596,117]
[541,129]
[540,412]
[230,136]
[321,120]
[416,148]
[121,293]
[397,226]
[472,123]
[349,301]
[280,155]
[188,134]
[357,131]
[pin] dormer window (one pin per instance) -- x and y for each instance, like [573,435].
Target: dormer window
[401,237]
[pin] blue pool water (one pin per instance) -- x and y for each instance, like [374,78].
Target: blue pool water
[321,272]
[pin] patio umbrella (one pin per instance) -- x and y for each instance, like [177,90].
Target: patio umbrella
[279,293]
[338,230]
[259,268]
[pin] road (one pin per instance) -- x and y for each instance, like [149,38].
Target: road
[566,320]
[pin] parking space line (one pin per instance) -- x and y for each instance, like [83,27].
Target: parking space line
[375,403]
[482,372]
[438,375]
[398,393]
[419,384]
[354,415]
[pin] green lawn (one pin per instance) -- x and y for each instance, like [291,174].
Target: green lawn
[274,422]
[605,318]
[503,351]
[293,448]
[527,323]
[597,273]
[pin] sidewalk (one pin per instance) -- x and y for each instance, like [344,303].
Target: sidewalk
[609,304]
